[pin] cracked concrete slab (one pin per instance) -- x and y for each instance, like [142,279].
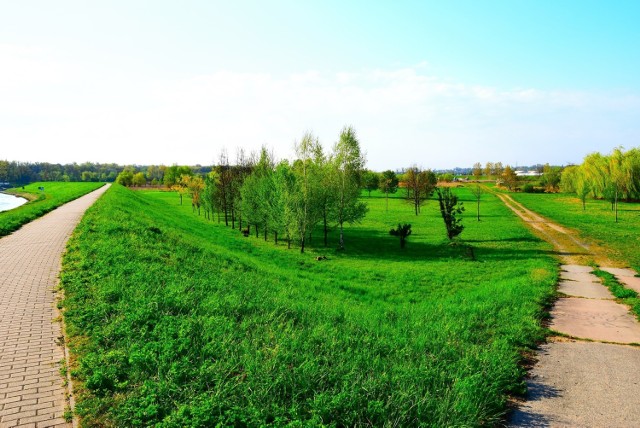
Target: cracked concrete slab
[593,319]
[589,290]
[579,276]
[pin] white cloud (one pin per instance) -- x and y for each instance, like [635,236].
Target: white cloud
[56,110]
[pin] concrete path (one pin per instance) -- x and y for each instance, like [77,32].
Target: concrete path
[577,383]
[32,392]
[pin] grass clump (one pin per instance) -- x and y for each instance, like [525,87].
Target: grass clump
[40,203]
[177,321]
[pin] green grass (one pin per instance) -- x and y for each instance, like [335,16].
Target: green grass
[177,321]
[596,223]
[40,203]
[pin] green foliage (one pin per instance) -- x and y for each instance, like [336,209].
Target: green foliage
[450,210]
[54,195]
[509,178]
[370,181]
[420,185]
[402,232]
[125,178]
[551,176]
[177,321]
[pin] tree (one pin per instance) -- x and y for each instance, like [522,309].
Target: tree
[489,169]
[477,170]
[498,169]
[139,179]
[388,184]
[582,188]
[551,178]
[370,181]
[450,209]
[125,177]
[477,191]
[509,178]
[193,185]
[402,231]
[420,185]
[303,203]
[348,163]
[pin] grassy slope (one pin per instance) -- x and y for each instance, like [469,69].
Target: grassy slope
[55,194]
[596,223]
[177,321]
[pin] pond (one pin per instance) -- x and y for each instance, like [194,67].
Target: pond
[9,202]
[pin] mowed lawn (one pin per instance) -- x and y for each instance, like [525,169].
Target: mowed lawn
[179,321]
[596,223]
[54,195]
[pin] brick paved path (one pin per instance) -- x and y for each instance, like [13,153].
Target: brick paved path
[31,387]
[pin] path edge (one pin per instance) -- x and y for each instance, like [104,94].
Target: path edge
[59,311]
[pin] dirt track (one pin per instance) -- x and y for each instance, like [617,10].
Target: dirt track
[586,376]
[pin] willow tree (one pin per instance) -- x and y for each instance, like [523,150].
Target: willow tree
[347,165]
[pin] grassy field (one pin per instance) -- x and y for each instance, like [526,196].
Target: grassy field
[54,195]
[177,321]
[596,223]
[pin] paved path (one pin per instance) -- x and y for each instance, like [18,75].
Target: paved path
[577,383]
[32,393]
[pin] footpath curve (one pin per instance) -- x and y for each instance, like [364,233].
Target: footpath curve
[585,376]
[32,389]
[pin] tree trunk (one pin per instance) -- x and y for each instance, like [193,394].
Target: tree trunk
[324,218]
[478,209]
[256,225]
[266,230]
[616,205]
[341,244]
[180,198]
[302,244]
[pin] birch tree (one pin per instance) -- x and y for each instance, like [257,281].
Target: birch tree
[348,163]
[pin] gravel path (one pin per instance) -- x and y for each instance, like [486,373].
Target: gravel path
[32,392]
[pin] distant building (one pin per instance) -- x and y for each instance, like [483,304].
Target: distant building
[520,173]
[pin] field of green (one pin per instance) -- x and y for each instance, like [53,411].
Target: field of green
[54,195]
[596,223]
[178,321]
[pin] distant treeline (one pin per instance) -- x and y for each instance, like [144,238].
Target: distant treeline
[27,172]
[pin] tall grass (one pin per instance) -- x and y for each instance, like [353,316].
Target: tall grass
[54,195]
[177,321]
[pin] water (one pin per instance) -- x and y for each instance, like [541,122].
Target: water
[9,202]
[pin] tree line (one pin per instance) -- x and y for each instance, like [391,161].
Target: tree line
[610,177]
[289,200]
[283,199]
[21,173]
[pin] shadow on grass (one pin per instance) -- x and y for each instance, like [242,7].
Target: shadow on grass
[371,244]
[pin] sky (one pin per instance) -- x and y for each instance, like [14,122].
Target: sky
[438,84]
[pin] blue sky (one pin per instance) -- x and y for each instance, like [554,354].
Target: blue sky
[439,84]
